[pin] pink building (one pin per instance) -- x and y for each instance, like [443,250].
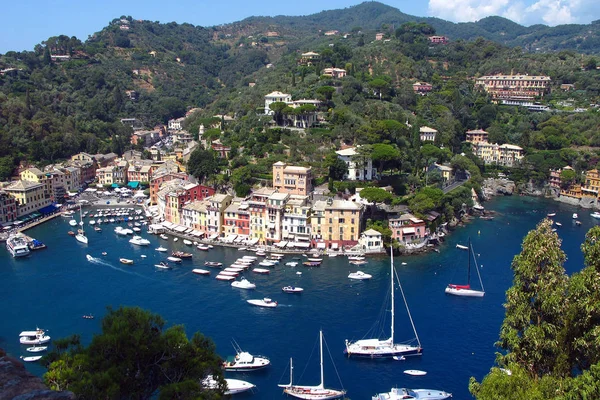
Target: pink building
[407,228]
[438,39]
[422,88]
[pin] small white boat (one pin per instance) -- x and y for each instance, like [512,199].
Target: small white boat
[89,258]
[399,358]
[355,258]
[202,247]
[575,216]
[550,215]
[266,302]
[558,224]
[37,349]
[595,214]
[126,261]
[31,359]
[460,246]
[298,273]
[358,262]
[213,264]
[291,263]
[163,265]
[415,372]
[223,277]
[359,275]
[292,289]
[174,259]
[243,284]
[261,270]
[136,229]
[73,222]
[413,394]
[161,249]
[242,249]
[187,242]
[175,239]
[164,237]
[229,273]
[266,263]
[234,386]
[140,241]
[200,271]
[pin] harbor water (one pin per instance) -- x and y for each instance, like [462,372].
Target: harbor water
[55,287]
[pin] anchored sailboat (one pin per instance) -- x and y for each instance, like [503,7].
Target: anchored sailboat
[465,290]
[80,232]
[378,348]
[312,392]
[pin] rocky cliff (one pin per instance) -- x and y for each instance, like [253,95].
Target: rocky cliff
[16,383]
[498,186]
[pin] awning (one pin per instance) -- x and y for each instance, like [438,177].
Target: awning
[320,245]
[167,224]
[252,242]
[334,245]
[408,231]
[230,238]
[290,244]
[48,209]
[281,244]
[214,236]
[302,245]
[114,185]
[133,184]
[180,228]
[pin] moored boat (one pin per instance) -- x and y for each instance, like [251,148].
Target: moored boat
[34,337]
[213,264]
[292,289]
[595,214]
[244,361]
[243,284]
[163,265]
[466,290]
[174,259]
[413,394]
[181,254]
[359,275]
[31,359]
[138,240]
[17,245]
[200,271]
[222,277]
[161,249]
[127,261]
[234,386]
[261,270]
[37,349]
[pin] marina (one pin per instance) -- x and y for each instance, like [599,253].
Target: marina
[343,308]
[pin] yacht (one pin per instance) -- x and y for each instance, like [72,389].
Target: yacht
[243,284]
[234,386]
[413,394]
[595,214]
[292,289]
[161,249]
[140,241]
[244,361]
[17,245]
[34,337]
[266,302]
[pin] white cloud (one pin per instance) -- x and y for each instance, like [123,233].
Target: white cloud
[528,12]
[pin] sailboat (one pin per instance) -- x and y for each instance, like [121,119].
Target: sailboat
[312,392]
[378,348]
[465,290]
[80,232]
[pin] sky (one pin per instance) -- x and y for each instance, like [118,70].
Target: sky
[29,22]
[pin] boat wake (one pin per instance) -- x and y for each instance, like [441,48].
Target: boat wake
[99,261]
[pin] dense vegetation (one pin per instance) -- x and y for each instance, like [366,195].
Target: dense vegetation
[549,338]
[135,357]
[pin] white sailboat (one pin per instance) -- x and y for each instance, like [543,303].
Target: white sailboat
[465,290]
[80,237]
[386,348]
[312,392]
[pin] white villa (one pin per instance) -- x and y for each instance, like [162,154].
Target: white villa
[276,97]
[370,241]
[427,134]
[357,170]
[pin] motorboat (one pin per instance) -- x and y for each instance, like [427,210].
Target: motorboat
[292,289]
[243,284]
[187,242]
[203,247]
[89,258]
[174,259]
[181,254]
[201,271]
[415,372]
[161,249]
[359,275]
[234,386]
[87,316]
[311,263]
[223,277]
[319,391]
[358,262]
[138,240]
[266,263]
[164,237]
[73,222]
[71,233]
[31,358]
[575,216]
[97,228]
[291,263]
[313,259]
[261,270]
[17,245]
[126,261]
[356,258]
[466,290]
[34,337]
[595,214]
[244,361]
[558,224]
[37,349]
[265,302]
[550,215]
[163,265]
[460,246]
[377,348]
[213,264]
[413,394]
[136,229]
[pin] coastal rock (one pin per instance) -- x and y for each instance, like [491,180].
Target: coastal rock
[498,186]
[16,383]
[529,189]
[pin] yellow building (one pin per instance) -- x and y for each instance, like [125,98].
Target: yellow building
[592,183]
[35,175]
[29,196]
[257,205]
[336,223]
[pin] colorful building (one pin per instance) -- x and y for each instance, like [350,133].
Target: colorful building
[237,219]
[514,89]
[335,223]
[291,179]
[8,208]
[408,229]
[275,211]
[296,220]
[29,196]
[217,204]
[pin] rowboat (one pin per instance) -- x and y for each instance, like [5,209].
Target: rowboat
[200,271]
[126,261]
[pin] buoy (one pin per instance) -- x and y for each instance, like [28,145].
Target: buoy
[479,232]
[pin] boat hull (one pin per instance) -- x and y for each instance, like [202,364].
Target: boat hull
[464,292]
[382,353]
[308,393]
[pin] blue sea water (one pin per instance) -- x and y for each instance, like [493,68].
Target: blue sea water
[53,288]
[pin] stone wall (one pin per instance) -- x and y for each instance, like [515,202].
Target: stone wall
[16,383]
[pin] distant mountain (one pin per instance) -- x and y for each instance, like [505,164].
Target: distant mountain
[372,15]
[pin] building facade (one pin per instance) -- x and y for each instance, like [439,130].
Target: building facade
[335,223]
[359,168]
[427,134]
[514,89]
[408,229]
[29,196]
[291,179]
[8,208]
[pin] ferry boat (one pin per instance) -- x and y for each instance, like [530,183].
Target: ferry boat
[17,246]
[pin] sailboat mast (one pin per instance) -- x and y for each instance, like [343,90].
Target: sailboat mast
[469,257]
[322,385]
[392,288]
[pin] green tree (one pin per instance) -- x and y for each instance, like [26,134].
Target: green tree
[376,195]
[136,357]
[567,178]
[337,168]
[384,154]
[203,164]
